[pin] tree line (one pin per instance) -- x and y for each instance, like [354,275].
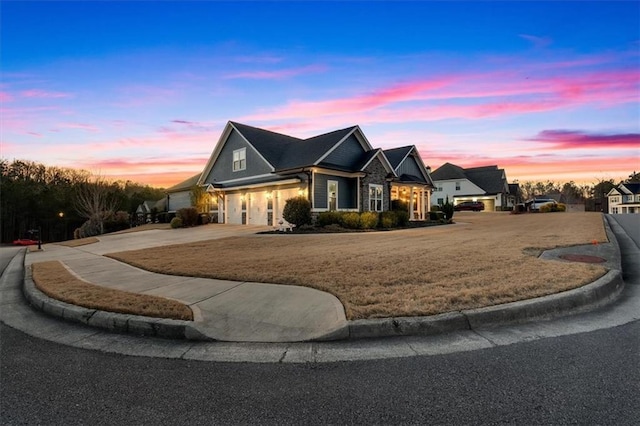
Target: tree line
[57,200]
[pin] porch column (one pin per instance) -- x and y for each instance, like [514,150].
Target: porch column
[411,202]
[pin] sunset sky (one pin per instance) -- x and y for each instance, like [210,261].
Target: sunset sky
[142,90]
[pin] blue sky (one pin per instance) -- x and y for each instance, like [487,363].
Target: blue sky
[142,90]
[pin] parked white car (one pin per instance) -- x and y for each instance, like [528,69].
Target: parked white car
[536,203]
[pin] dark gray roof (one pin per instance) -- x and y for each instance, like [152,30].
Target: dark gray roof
[396,155]
[287,152]
[448,171]
[185,184]
[490,179]
[634,187]
[412,179]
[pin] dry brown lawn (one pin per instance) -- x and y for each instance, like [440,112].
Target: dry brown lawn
[54,280]
[484,259]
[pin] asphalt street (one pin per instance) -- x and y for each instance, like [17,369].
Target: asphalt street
[589,378]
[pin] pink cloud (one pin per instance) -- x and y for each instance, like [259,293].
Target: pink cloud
[278,74]
[43,94]
[5,97]
[79,126]
[574,139]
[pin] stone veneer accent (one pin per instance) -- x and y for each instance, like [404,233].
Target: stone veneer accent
[376,174]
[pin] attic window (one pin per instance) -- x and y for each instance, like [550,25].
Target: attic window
[239,159]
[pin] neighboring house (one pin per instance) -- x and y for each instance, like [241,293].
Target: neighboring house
[625,198]
[252,172]
[179,195]
[144,211]
[487,184]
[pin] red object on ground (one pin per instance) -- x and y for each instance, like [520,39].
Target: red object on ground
[25,242]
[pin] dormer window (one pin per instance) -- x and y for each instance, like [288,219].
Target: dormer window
[239,159]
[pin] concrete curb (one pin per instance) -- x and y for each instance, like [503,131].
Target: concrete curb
[591,296]
[111,321]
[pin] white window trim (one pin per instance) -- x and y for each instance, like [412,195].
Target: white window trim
[381,199]
[241,161]
[329,182]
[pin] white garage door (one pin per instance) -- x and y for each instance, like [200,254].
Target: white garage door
[258,208]
[234,208]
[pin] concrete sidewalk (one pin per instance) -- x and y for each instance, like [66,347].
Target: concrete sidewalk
[223,310]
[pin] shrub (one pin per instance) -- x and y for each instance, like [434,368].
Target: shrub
[402,217]
[368,220]
[388,219]
[436,216]
[76,234]
[297,211]
[328,218]
[90,228]
[350,220]
[545,208]
[399,205]
[447,209]
[435,208]
[189,216]
[116,221]
[176,222]
[561,207]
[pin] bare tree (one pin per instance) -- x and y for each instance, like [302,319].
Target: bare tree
[95,201]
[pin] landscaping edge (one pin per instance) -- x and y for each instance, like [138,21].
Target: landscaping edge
[588,297]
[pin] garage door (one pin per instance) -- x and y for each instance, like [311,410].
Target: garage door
[234,208]
[489,204]
[258,208]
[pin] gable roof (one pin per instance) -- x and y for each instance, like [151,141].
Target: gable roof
[397,155]
[490,179]
[185,184]
[632,187]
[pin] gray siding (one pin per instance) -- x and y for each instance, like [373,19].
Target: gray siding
[347,154]
[347,191]
[410,167]
[222,170]
[179,200]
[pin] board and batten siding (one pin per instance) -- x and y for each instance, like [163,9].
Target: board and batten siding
[409,167]
[347,154]
[223,167]
[347,192]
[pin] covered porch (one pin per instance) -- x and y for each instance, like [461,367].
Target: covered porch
[416,196]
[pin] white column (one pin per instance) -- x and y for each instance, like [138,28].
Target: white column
[411,202]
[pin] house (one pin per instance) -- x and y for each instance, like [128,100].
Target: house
[486,184]
[252,172]
[179,195]
[145,212]
[625,198]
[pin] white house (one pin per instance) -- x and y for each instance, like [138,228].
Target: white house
[486,184]
[625,198]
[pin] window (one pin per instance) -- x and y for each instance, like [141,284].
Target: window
[239,159]
[440,201]
[457,186]
[332,194]
[375,198]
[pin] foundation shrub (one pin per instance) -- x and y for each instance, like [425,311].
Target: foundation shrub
[189,216]
[397,205]
[116,221]
[561,207]
[297,211]
[368,220]
[328,218]
[402,217]
[436,216]
[350,220]
[545,208]
[447,209]
[388,219]
[176,222]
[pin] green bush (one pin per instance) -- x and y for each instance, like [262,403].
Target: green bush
[350,220]
[447,209]
[189,216]
[328,218]
[402,217]
[388,219]
[399,205]
[436,216]
[297,211]
[435,208]
[176,222]
[368,220]
[116,221]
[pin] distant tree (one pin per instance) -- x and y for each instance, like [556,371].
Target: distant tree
[95,200]
[633,178]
